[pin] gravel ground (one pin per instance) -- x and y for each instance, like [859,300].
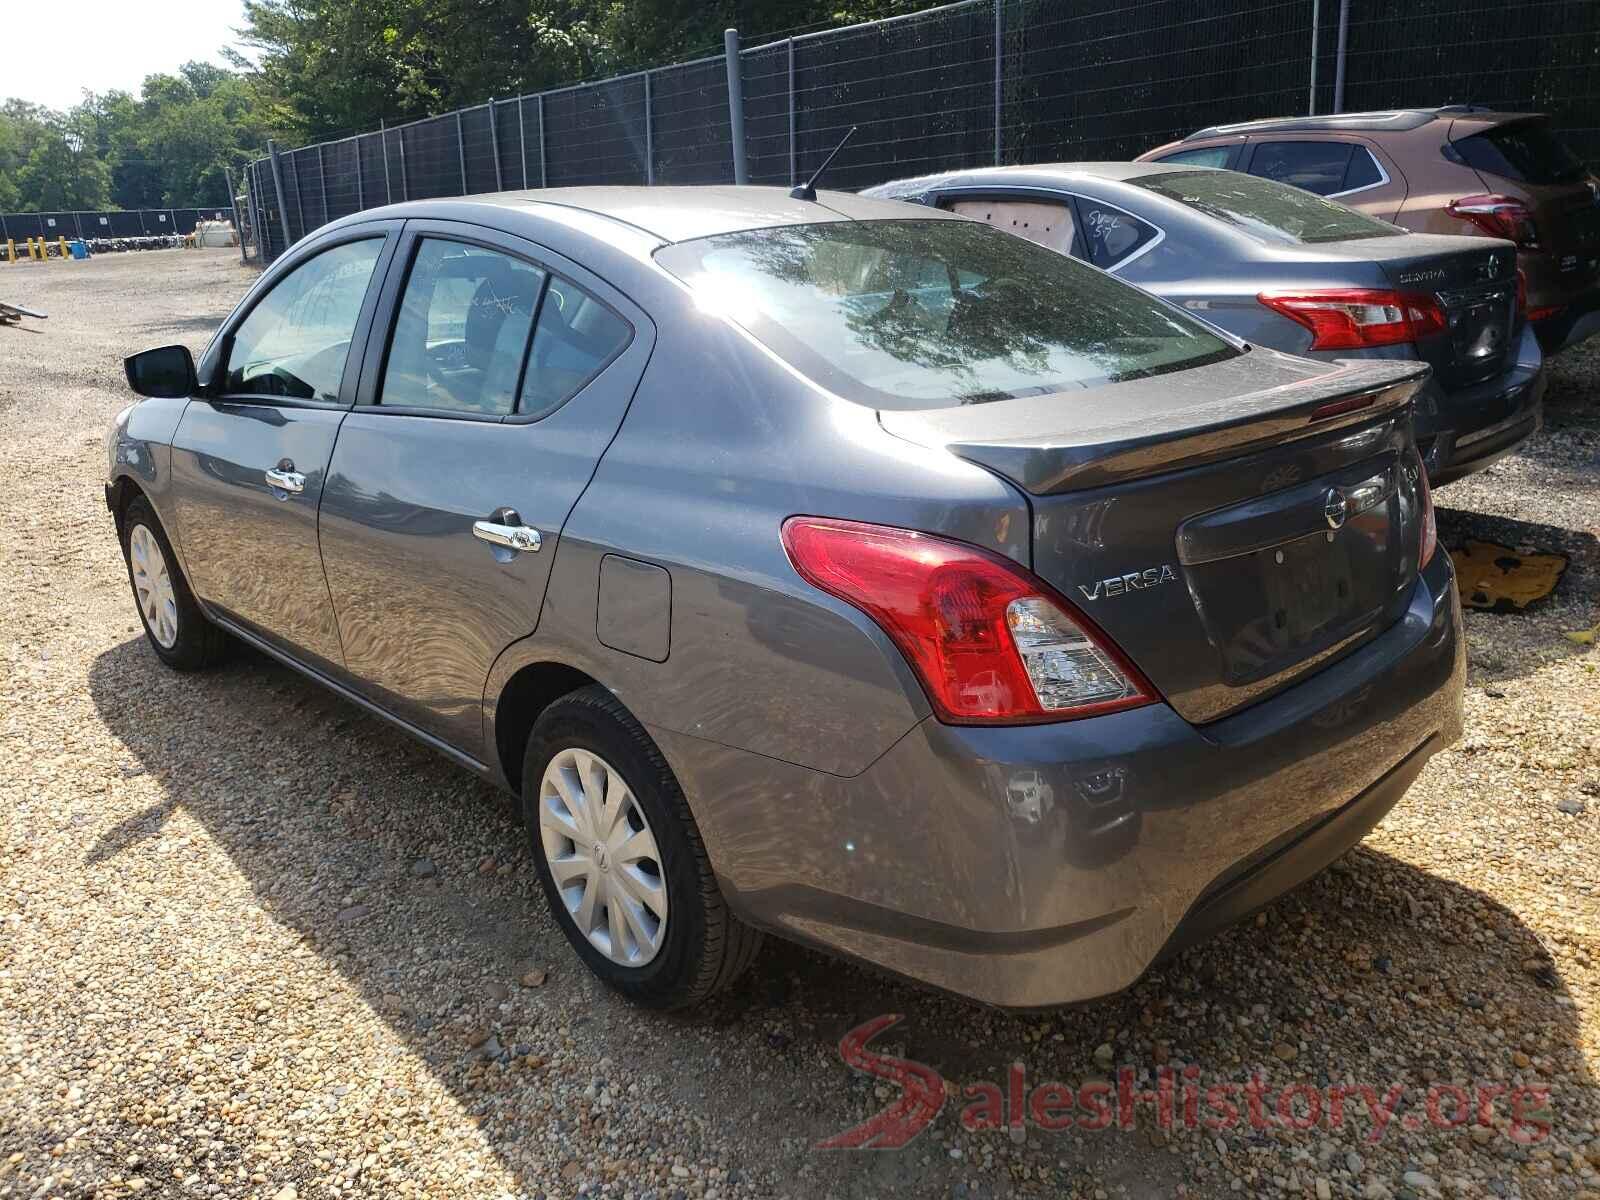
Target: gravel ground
[255,943]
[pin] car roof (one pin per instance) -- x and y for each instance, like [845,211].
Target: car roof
[1396,120]
[678,213]
[1035,174]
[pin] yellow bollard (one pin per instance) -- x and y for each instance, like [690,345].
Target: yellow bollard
[11,249]
[36,249]
[61,247]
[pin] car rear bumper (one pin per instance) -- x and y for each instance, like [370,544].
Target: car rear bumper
[1466,430]
[1049,864]
[1577,321]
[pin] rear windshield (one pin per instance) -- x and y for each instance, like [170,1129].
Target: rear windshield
[1273,212]
[931,314]
[1524,150]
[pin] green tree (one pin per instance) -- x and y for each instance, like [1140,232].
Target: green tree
[59,177]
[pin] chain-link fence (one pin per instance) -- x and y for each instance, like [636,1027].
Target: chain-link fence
[968,84]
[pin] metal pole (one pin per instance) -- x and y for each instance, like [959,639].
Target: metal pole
[461,152]
[322,183]
[1338,65]
[649,141]
[361,195]
[730,50]
[999,61]
[405,187]
[383,138]
[277,184]
[299,192]
[494,141]
[544,180]
[233,209]
[1316,28]
[794,161]
[522,142]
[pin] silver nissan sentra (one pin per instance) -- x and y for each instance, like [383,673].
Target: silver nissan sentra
[830,567]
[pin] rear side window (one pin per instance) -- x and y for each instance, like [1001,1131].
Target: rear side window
[577,336]
[1111,236]
[1315,166]
[1205,156]
[462,330]
[1272,212]
[295,340]
[911,314]
[1528,151]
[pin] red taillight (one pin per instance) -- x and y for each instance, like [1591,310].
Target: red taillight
[991,643]
[1545,313]
[1498,216]
[1354,318]
[1430,526]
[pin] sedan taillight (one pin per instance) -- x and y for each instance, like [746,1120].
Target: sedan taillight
[1498,216]
[991,643]
[1356,318]
[1429,541]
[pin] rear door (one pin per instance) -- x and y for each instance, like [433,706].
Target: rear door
[250,456]
[496,375]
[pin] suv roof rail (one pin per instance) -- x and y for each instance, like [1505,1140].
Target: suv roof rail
[1403,119]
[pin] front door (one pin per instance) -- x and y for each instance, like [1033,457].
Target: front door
[507,372]
[249,457]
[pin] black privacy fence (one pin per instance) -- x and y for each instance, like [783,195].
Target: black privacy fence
[967,84]
[119,223]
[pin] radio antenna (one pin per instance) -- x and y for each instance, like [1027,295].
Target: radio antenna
[808,189]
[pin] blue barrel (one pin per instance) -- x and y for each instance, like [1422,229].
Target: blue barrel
[77,249]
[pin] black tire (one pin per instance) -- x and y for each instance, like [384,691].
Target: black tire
[705,947]
[199,643]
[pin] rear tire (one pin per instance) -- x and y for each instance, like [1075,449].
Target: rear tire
[176,629]
[666,938]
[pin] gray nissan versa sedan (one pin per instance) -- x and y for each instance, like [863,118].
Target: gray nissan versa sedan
[831,567]
[1280,267]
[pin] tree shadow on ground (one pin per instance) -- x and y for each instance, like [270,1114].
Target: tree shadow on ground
[1373,971]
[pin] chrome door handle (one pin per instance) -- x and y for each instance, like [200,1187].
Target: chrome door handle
[286,481]
[512,537]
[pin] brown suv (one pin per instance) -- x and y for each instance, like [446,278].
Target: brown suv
[1455,169]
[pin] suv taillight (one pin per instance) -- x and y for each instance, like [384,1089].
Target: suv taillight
[990,643]
[1355,318]
[1498,216]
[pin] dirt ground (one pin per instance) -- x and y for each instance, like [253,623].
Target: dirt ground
[256,943]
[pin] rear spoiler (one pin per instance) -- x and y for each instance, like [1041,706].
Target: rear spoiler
[1069,441]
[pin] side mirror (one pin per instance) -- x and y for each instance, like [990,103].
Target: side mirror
[166,371]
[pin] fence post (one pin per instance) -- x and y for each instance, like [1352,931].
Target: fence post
[522,142]
[999,62]
[322,182]
[1316,27]
[544,180]
[1338,64]
[277,184]
[730,50]
[794,150]
[383,138]
[461,152]
[405,186]
[233,210]
[494,142]
[361,194]
[649,139]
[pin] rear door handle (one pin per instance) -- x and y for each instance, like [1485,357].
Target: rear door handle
[512,537]
[286,481]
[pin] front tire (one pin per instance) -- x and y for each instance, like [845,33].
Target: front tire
[621,860]
[177,630]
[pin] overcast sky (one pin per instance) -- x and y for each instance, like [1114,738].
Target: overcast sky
[103,44]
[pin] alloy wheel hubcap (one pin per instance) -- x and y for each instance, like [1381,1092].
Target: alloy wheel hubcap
[603,857]
[152,586]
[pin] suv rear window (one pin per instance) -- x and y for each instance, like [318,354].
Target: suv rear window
[932,314]
[1528,151]
[1273,212]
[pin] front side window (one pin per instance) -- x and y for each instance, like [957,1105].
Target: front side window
[461,335]
[1205,156]
[295,341]
[1273,212]
[909,314]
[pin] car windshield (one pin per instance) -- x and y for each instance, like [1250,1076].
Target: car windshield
[931,314]
[1272,212]
[1528,151]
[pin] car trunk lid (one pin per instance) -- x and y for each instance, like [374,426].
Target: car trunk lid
[1232,531]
